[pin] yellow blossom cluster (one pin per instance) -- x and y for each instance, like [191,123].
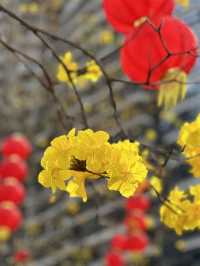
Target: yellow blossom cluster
[182,210]
[31,8]
[73,159]
[183,3]
[91,71]
[189,140]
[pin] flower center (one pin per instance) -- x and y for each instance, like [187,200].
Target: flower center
[78,165]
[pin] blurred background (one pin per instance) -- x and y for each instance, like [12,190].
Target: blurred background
[67,232]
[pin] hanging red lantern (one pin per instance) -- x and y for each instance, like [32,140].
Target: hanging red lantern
[152,57]
[137,242]
[12,190]
[136,221]
[126,15]
[10,218]
[114,259]
[13,167]
[138,202]
[119,242]
[22,256]
[16,145]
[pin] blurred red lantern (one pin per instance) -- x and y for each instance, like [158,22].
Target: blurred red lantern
[137,242]
[13,167]
[136,221]
[144,58]
[119,242]
[124,15]
[10,216]
[138,202]
[16,145]
[12,190]
[114,259]
[22,256]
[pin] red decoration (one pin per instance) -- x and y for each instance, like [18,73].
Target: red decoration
[114,259]
[137,242]
[12,190]
[122,14]
[136,221]
[22,256]
[10,216]
[13,167]
[147,50]
[16,145]
[138,202]
[119,242]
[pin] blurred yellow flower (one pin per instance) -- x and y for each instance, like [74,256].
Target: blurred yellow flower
[32,8]
[156,184]
[189,140]
[106,37]
[72,67]
[184,211]
[183,3]
[93,71]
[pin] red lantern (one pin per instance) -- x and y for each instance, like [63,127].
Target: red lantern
[138,202]
[119,242]
[13,167]
[114,259]
[136,221]
[124,15]
[16,145]
[10,216]
[137,242]
[144,59]
[22,256]
[12,190]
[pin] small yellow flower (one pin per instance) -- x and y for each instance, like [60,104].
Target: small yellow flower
[93,71]
[183,3]
[106,37]
[71,65]
[157,184]
[189,140]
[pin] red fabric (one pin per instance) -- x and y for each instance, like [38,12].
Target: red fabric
[146,50]
[137,242]
[119,241]
[123,13]
[10,217]
[16,145]
[138,202]
[114,259]
[12,190]
[13,167]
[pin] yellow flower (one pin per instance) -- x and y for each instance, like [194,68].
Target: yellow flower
[126,169]
[32,8]
[157,184]
[184,211]
[106,37]
[189,140]
[183,3]
[71,65]
[72,159]
[93,71]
